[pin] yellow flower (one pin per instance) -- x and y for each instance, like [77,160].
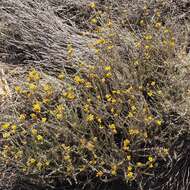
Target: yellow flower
[89,100]
[48,88]
[90,146]
[128,157]
[19,154]
[93,162]
[114,169]
[113,128]
[140,164]
[99,97]
[149,118]
[44,119]
[147,47]
[86,108]
[109,24]
[101,126]
[88,85]
[33,75]
[138,45]
[78,80]
[34,132]
[70,50]
[165,151]
[61,76]
[141,22]
[130,175]
[24,169]
[150,158]
[110,47]
[14,127]
[108,75]
[60,108]
[18,89]
[166,31]
[108,97]
[112,110]
[90,118]
[22,117]
[158,122]
[145,135]
[129,168]
[31,161]
[150,93]
[164,42]
[126,143]
[107,68]
[133,108]
[148,37]
[99,174]
[97,51]
[37,107]
[134,131]
[93,21]
[67,158]
[100,41]
[92,5]
[158,25]
[91,67]
[47,162]
[158,14]
[99,120]
[116,114]
[46,100]
[130,115]
[92,75]
[70,95]
[6,135]
[33,115]
[5,125]
[151,165]
[59,116]
[32,87]
[136,62]
[172,43]
[39,165]
[40,138]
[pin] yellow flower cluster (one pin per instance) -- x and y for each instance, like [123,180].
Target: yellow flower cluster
[90,118]
[70,94]
[78,80]
[113,128]
[37,107]
[34,75]
[126,144]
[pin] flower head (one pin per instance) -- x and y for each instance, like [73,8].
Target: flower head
[126,143]
[33,75]
[99,174]
[5,125]
[107,68]
[90,118]
[39,138]
[37,107]
[92,5]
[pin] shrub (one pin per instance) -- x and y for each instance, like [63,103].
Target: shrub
[110,102]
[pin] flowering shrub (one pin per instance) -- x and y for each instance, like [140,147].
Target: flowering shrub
[116,115]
